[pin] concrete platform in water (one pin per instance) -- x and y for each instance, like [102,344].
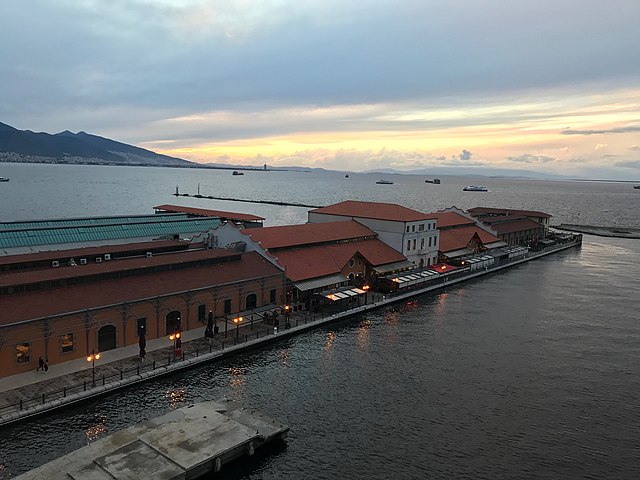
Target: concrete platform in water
[183,444]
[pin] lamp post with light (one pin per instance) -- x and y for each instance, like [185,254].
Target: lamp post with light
[366,290]
[92,358]
[237,321]
[287,315]
[177,343]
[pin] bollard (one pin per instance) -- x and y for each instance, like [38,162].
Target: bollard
[196,352]
[168,359]
[183,355]
[103,380]
[138,369]
[43,398]
[121,375]
[275,330]
[64,392]
[246,338]
[20,404]
[209,348]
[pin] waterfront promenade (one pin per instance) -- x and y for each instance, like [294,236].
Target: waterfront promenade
[32,393]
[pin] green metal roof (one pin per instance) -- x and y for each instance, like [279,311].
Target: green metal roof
[86,232]
[92,221]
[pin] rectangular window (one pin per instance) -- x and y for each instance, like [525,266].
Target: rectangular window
[408,245]
[227,306]
[422,243]
[66,343]
[414,243]
[421,227]
[141,326]
[407,228]
[272,296]
[202,311]
[23,353]
[430,240]
[413,228]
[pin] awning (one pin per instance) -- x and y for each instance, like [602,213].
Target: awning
[458,253]
[391,267]
[352,292]
[319,282]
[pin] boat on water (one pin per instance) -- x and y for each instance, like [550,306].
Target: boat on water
[3,179]
[637,187]
[235,172]
[435,181]
[475,188]
[384,182]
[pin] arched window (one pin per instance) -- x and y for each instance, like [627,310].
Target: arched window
[252,301]
[173,323]
[106,338]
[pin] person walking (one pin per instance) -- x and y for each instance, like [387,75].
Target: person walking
[40,364]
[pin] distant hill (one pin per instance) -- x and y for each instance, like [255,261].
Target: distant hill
[68,147]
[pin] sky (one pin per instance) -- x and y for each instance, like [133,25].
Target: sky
[548,86]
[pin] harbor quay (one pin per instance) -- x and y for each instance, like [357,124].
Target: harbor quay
[185,443]
[35,393]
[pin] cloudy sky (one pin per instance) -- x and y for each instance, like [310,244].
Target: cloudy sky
[552,86]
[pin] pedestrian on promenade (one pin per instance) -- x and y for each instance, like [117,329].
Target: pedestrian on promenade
[40,364]
[46,366]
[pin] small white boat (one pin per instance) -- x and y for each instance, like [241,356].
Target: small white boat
[3,179]
[235,172]
[384,182]
[475,188]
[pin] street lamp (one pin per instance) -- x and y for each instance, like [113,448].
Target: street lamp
[366,290]
[237,322]
[92,358]
[177,343]
[287,315]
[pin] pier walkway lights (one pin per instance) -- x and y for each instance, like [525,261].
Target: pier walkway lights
[92,358]
[237,321]
[177,343]
[366,291]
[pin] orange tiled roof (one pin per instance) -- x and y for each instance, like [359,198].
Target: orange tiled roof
[308,234]
[518,225]
[37,304]
[322,260]
[118,265]
[380,211]
[451,219]
[457,238]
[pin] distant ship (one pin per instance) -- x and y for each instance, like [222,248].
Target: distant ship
[235,172]
[637,187]
[435,180]
[3,179]
[384,182]
[475,188]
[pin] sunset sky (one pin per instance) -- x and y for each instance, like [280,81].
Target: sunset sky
[550,86]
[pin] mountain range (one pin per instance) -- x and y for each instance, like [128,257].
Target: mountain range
[68,147]
[81,147]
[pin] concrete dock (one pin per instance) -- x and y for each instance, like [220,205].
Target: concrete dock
[183,444]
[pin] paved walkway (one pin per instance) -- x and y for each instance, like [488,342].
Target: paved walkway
[32,384]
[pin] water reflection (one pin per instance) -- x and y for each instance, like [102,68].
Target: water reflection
[92,433]
[284,358]
[363,334]
[176,396]
[331,337]
[238,380]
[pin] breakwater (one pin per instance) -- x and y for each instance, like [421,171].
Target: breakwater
[601,231]
[246,200]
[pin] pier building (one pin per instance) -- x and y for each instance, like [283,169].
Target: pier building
[412,233]
[62,305]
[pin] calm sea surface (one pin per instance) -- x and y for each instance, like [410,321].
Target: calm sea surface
[529,373]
